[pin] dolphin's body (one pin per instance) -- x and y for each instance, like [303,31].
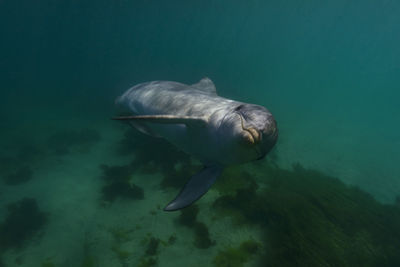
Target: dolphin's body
[216,130]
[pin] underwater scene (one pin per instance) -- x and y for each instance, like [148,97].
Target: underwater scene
[79,187]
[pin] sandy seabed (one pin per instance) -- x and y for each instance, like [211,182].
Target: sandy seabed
[83,229]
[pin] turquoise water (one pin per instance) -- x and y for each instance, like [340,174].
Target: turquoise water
[328,71]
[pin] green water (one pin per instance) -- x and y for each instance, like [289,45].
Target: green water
[327,70]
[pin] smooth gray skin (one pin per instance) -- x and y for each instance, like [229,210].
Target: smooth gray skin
[216,130]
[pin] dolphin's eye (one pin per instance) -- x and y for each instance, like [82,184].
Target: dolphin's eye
[238,107]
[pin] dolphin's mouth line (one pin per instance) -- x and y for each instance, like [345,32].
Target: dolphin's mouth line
[253,132]
[255,139]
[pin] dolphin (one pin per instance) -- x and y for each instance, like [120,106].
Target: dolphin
[216,130]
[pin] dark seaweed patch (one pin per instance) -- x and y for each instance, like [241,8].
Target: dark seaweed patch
[311,219]
[172,239]
[24,219]
[49,263]
[117,173]
[177,177]
[202,236]
[156,155]
[188,218]
[233,179]
[15,165]
[152,247]
[147,262]
[236,257]
[117,183]
[121,189]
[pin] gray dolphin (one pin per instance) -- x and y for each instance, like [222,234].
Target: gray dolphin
[216,130]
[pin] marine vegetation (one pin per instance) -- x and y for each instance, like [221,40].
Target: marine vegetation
[236,257]
[171,239]
[23,220]
[17,162]
[121,236]
[24,157]
[88,259]
[152,250]
[122,255]
[188,218]
[147,262]
[155,155]
[118,184]
[152,247]
[63,141]
[47,263]
[21,175]
[308,218]
[202,236]
[233,179]
[311,219]
[151,150]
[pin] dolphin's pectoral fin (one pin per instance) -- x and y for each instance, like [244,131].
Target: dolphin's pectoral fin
[141,127]
[166,119]
[197,186]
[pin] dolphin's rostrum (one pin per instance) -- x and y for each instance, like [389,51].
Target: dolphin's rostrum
[216,130]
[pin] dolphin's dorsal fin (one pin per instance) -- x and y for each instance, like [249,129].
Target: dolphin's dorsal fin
[165,119]
[205,85]
[197,186]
